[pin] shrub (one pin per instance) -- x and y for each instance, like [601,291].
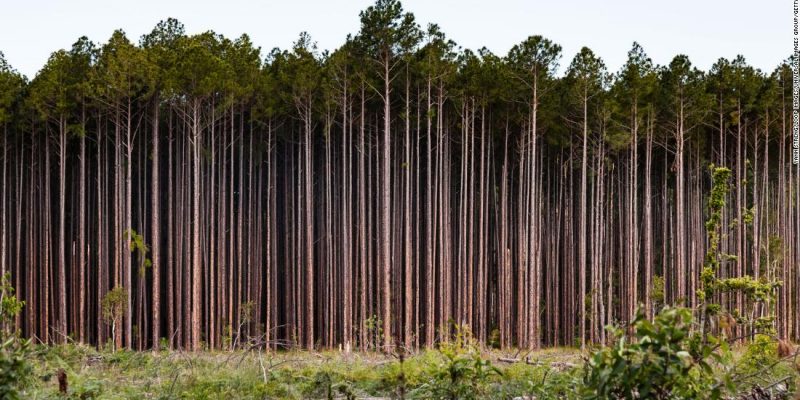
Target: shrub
[15,370]
[663,360]
[89,390]
[494,339]
[14,367]
[114,304]
[461,374]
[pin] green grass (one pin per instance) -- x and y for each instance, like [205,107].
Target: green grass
[93,374]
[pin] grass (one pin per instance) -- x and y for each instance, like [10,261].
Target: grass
[93,374]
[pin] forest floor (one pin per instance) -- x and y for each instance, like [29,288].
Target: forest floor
[92,374]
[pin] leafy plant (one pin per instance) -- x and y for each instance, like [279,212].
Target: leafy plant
[494,339]
[758,292]
[136,244]
[374,328]
[245,318]
[462,373]
[671,358]
[322,383]
[88,390]
[657,292]
[15,369]
[113,306]
[663,360]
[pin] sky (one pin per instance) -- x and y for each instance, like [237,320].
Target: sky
[705,30]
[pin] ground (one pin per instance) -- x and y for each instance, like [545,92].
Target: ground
[93,374]
[276,374]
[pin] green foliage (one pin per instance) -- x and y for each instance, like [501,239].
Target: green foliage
[774,251]
[748,215]
[113,306]
[462,373]
[669,358]
[121,70]
[437,58]
[657,292]
[635,86]
[15,369]
[555,373]
[544,380]
[325,383]
[11,88]
[663,360]
[756,291]
[536,56]
[246,311]
[227,337]
[387,31]
[586,79]
[588,73]
[374,328]
[86,390]
[716,202]
[10,306]
[762,351]
[684,94]
[136,244]
[494,339]
[760,364]
[299,76]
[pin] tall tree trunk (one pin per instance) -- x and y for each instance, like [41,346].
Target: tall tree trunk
[62,197]
[385,229]
[582,223]
[196,249]
[155,245]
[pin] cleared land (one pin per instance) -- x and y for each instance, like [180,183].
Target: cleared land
[92,374]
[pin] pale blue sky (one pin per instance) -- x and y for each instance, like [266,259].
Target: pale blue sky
[705,30]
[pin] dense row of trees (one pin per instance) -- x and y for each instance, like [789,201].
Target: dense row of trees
[379,193]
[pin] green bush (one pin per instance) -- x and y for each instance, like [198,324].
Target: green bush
[89,390]
[539,381]
[763,350]
[461,373]
[114,304]
[15,370]
[761,365]
[14,367]
[663,360]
